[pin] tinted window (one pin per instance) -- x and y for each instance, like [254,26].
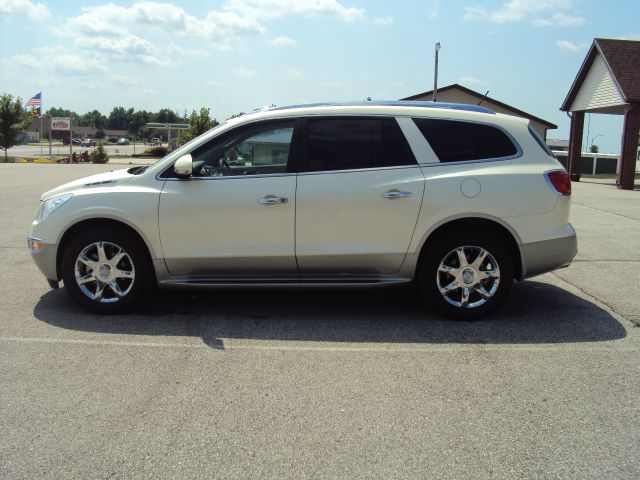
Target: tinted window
[454,141]
[354,143]
[252,150]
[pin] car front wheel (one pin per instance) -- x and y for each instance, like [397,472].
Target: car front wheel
[466,275]
[105,270]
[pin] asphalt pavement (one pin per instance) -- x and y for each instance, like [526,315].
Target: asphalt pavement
[324,384]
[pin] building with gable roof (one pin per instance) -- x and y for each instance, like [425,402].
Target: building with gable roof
[456,93]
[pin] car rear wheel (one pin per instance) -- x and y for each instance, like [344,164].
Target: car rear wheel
[466,275]
[106,271]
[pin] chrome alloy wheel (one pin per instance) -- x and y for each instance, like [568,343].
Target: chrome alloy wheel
[104,272]
[468,277]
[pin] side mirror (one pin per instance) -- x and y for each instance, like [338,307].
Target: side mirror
[183,166]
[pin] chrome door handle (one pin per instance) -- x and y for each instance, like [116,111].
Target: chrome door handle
[272,200]
[396,194]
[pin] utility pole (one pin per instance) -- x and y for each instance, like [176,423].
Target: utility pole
[435,75]
[49,137]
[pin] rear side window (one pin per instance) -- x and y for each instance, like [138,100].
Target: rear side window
[354,143]
[454,141]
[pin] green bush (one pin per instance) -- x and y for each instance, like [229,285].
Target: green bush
[156,152]
[99,155]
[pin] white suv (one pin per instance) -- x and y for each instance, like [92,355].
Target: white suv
[457,198]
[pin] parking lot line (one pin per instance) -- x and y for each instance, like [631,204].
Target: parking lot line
[223,344]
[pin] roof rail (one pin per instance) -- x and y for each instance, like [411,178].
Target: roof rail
[392,103]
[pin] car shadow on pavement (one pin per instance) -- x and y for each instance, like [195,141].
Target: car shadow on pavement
[536,312]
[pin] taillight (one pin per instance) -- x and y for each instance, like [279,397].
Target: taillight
[560,181]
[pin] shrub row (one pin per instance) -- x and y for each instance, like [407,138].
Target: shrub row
[158,152]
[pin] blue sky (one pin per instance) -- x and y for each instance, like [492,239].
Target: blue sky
[238,55]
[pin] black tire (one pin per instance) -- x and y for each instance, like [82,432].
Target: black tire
[136,261]
[444,249]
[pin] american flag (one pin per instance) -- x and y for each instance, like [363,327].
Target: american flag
[36,100]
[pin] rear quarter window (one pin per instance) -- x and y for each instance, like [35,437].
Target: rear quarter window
[456,141]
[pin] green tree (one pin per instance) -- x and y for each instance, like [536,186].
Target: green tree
[198,124]
[165,115]
[594,149]
[63,112]
[13,119]
[99,155]
[120,119]
[138,120]
[93,119]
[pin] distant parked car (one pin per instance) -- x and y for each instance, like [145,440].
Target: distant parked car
[87,142]
[156,141]
[122,141]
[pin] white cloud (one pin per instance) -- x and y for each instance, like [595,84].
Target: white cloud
[559,19]
[244,72]
[568,46]
[147,31]
[130,33]
[572,47]
[160,61]
[472,81]
[383,21]
[630,36]
[540,13]
[72,62]
[280,8]
[173,49]
[293,73]
[434,9]
[24,60]
[35,11]
[124,46]
[113,20]
[282,41]
[54,59]
[221,25]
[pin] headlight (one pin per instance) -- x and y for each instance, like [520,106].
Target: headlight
[51,205]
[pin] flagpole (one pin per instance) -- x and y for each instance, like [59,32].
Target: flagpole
[41,106]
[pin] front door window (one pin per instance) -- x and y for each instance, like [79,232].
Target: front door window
[257,150]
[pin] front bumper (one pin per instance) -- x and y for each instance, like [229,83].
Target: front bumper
[548,255]
[46,259]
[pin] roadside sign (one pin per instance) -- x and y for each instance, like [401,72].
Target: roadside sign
[60,123]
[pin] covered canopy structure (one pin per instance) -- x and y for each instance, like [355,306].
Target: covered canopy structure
[608,82]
